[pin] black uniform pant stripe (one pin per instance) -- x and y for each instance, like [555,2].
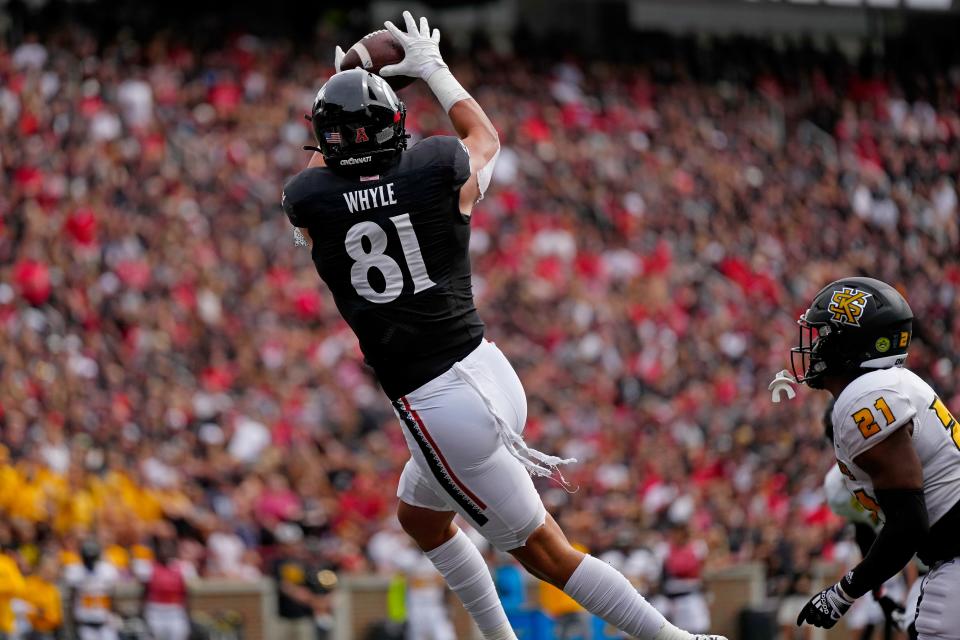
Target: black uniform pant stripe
[464,498]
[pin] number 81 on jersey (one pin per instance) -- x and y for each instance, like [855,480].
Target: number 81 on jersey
[377,259]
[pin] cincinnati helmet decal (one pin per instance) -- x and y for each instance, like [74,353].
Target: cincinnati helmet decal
[847,305]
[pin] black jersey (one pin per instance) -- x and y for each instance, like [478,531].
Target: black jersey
[393,248]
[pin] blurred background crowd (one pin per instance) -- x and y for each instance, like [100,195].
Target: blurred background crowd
[171,368]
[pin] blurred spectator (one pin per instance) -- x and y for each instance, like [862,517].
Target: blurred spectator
[42,595]
[91,584]
[570,619]
[687,605]
[428,614]
[166,600]
[509,580]
[12,586]
[296,586]
[796,595]
[228,555]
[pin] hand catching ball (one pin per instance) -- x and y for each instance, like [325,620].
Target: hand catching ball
[375,51]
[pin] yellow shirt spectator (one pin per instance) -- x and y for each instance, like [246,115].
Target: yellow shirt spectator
[11,586]
[74,503]
[117,556]
[75,511]
[555,602]
[149,506]
[46,613]
[9,483]
[29,502]
[68,557]
[141,552]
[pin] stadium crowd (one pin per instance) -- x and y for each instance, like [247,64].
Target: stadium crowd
[171,367]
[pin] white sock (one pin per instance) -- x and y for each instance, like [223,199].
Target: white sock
[459,562]
[604,592]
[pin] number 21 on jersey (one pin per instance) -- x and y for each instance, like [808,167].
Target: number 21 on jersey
[377,260]
[866,421]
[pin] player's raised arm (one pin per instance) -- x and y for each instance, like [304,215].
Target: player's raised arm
[422,59]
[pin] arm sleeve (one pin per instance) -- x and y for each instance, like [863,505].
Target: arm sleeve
[870,418]
[907,524]
[865,537]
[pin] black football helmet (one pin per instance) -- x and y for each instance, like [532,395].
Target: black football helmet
[853,324]
[358,122]
[90,553]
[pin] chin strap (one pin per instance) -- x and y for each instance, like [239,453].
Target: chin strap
[307,147]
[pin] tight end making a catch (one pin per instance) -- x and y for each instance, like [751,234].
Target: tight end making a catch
[389,229]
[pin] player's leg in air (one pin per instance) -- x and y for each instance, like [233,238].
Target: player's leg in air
[463,429]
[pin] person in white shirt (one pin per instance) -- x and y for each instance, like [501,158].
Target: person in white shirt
[91,586]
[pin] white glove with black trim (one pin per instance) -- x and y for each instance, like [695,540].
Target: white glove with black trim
[825,608]
[421,49]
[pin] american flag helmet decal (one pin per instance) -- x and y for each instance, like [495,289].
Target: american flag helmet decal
[331,137]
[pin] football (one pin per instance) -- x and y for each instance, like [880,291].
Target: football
[375,51]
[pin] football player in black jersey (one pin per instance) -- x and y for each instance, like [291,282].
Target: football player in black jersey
[390,229]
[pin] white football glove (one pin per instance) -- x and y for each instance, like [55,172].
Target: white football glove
[421,49]
[337,58]
[782,383]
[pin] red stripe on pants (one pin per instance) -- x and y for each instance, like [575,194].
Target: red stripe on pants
[443,461]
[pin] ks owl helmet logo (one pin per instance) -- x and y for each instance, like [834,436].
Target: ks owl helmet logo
[847,305]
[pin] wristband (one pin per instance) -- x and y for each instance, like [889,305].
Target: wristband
[445,87]
[849,588]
